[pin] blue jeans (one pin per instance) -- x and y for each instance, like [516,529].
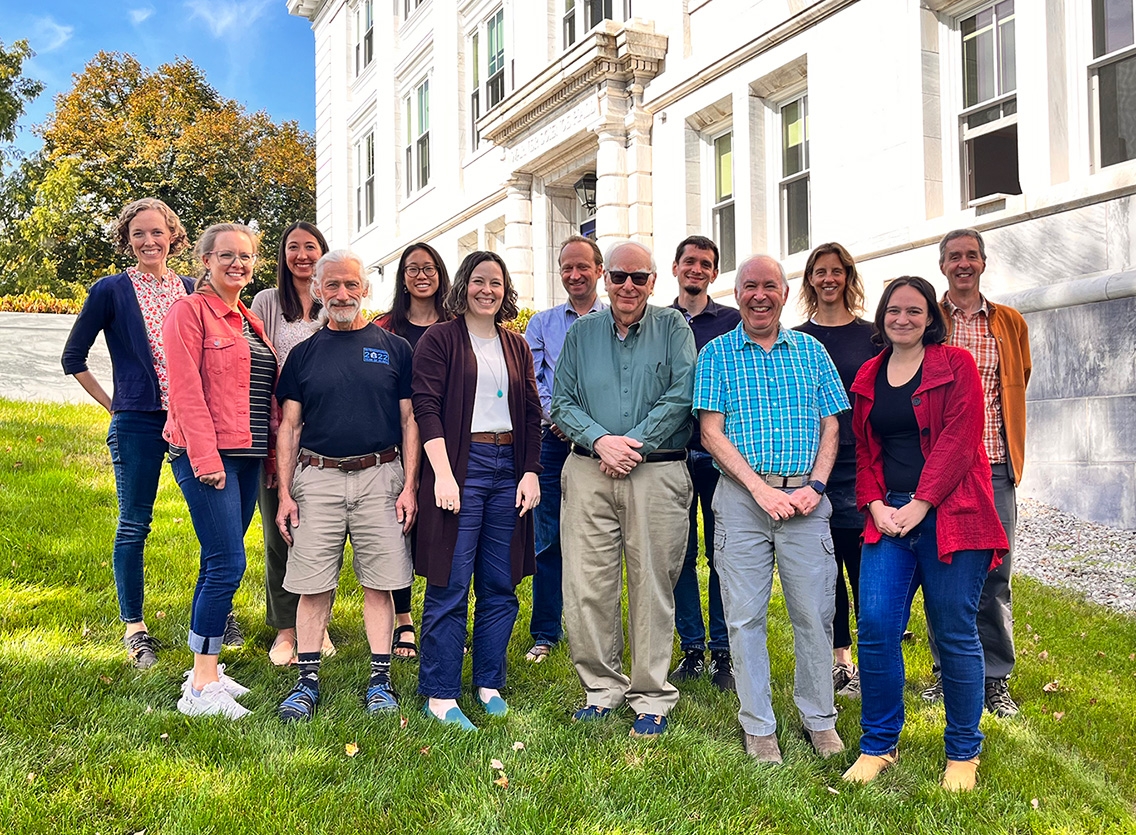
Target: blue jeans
[888,570]
[136,451]
[482,554]
[220,519]
[547,593]
[688,601]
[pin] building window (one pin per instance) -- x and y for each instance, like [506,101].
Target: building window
[417,110]
[794,186]
[722,213]
[486,65]
[408,6]
[364,35]
[988,124]
[495,71]
[582,16]
[365,182]
[1112,76]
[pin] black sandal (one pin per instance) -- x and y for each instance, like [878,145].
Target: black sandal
[404,645]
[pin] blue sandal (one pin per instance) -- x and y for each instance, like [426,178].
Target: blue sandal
[381,698]
[300,704]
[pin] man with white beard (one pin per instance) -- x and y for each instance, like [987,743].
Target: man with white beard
[346,421]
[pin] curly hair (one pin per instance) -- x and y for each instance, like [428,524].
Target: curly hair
[457,300]
[120,229]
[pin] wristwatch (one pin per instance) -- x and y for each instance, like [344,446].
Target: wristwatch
[818,486]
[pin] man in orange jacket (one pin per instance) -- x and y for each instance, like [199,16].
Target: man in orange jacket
[997,337]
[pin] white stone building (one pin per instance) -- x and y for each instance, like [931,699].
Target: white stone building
[772,126]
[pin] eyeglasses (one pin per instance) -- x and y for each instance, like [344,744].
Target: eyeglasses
[638,279]
[227,258]
[429,271]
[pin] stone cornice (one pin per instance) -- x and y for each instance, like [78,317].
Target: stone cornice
[630,54]
[305,8]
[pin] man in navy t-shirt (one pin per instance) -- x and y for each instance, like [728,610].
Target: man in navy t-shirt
[347,420]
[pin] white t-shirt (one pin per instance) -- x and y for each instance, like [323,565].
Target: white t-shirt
[491,401]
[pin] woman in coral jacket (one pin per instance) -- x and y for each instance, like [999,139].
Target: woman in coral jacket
[923,476]
[222,375]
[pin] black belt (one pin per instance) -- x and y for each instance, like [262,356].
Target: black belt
[649,458]
[349,465]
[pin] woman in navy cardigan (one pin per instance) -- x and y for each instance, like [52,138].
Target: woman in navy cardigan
[128,308]
[923,477]
[478,413]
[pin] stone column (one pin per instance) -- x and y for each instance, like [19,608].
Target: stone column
[641,218]
[518,235]
[611,168]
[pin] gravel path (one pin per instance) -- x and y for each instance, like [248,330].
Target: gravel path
[1094,560]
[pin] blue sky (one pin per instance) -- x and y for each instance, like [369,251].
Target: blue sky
[250,50]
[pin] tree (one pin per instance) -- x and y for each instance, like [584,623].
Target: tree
[124,132]
[15,92]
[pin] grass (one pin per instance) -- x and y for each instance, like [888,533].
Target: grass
[88,745]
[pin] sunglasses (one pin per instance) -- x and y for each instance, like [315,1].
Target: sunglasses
[638,279]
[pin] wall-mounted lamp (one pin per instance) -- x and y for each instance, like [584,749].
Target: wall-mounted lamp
[585,189]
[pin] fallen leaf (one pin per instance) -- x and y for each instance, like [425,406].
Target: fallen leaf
[17,465]
[177,520]
[1132,657]
[1084,634]
[39,439]
[1034,803]
[351,749]
[160,614]
[1058,715]
[1092,701]
[105,679]
[149,710]
[1029,628]
[1036,638]
[104,564]
[496,765]
[1100,654]
[402,721]
[424,750]
[502,781]
[832,790]
[164,737]
[1052,687]
[1043,655]
[31,777]
[86,631]
[518,746]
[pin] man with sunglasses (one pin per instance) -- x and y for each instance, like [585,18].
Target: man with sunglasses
[622,395]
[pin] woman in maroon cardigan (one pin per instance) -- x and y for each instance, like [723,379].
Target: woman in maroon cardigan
[923,477]
[478,411]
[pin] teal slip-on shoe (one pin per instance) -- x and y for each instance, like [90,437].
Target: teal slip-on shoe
[496,706]
[454,716]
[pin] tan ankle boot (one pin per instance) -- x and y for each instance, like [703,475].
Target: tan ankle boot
[868,767]
[961,775]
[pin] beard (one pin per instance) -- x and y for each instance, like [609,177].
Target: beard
[343,314]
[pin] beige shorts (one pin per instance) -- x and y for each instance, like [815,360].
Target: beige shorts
[335,505]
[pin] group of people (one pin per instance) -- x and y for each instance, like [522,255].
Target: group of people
[443,443]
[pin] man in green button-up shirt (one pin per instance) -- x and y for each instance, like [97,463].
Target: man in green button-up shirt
[622,393]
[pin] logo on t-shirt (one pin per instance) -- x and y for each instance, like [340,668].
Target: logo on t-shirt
[376,355]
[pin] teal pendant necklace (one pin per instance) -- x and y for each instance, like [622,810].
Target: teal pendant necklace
[490,365]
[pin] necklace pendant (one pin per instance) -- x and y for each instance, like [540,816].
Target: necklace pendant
[499,394]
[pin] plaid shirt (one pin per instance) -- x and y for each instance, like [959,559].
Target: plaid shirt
[973,333]
[773,401]
[155,295]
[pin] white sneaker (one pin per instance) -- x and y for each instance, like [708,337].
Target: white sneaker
[213,701]
[233,687]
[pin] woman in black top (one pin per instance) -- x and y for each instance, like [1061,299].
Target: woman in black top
[833,299]
[420,285]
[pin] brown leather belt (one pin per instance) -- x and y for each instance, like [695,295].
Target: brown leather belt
[349,465]
[495,438]
[784,481]
[649,458]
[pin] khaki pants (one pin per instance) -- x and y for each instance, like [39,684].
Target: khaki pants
[644,517]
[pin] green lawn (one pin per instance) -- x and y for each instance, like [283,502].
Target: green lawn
[89,745]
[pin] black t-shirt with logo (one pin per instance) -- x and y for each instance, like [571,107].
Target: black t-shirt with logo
[348,384]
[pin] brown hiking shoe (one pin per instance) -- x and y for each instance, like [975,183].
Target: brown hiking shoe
[826,743]
[764,749]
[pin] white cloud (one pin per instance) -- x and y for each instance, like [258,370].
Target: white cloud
[49,35]
[223,17]
[138,16]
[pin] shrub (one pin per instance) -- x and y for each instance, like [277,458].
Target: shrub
[38,301]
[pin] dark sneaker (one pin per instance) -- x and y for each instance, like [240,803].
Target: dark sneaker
[998,699]
[589,712]
[142,649]
[846,680]
[851,690]
[232,637]
[934,693]
[649,725]
[381,698]
[692,666]
[722,671]
[300,704]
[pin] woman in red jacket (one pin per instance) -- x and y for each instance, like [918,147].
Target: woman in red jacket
[222,375]
[923,477]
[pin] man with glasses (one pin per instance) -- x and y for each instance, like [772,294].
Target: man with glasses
[581,263]
[622,395]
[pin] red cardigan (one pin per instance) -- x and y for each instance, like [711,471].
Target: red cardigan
[209,365]
[956,481]
[445,382]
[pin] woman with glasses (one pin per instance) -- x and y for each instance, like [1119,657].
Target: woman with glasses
[420,289]
[222,376]
[833,300]
[290,315]
[128,309]
[478,412]
[923,476]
